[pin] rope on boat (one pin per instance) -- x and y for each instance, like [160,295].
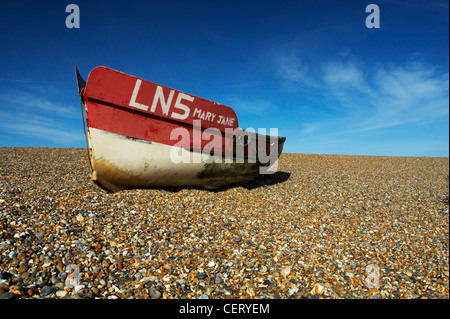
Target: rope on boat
[84,128]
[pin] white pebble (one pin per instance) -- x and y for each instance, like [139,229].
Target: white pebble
[78,287]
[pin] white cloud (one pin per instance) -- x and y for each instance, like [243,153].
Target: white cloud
[36,126]
[25,101]
[309,128]
[29,114]
[255,106]
[365,98]
[55,135]
[340,75]
[409,94]
[291,68]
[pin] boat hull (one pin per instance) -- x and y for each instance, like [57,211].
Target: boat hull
[142,134]
[120,162]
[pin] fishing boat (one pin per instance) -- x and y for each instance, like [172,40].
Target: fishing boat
[145,135]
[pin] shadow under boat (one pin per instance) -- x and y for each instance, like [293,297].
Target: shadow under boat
[267,180]
[260,181]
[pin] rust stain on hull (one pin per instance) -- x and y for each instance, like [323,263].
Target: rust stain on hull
[244,170]
[112,178]
[213,175]
[225,174]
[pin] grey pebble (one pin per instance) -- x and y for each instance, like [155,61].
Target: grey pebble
[7,295]
[201,275]
[5,275]
[154,293]
[62,275]
[47,290]
[40,235]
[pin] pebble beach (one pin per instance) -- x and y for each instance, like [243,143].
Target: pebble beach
[323,226]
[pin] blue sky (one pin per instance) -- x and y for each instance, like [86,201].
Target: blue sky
[311,69]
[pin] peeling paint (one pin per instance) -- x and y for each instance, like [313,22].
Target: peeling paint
[112,178]
[245,170]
